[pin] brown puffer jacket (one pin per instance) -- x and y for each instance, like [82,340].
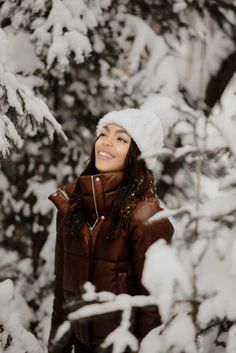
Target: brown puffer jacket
[113,265]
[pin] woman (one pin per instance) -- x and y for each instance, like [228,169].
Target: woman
[102,236]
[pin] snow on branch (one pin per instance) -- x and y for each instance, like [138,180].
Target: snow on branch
[119,345]
[108,302]
[158,72]
[65,31]
[170,337]
[9,137]
[227,128]
[163,282]
[14,337]
[22,113]
[200,136]
[60,29]
[212,209]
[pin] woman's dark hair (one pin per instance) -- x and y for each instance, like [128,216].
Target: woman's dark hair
[138,182]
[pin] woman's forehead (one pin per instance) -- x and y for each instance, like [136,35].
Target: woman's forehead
[116,128]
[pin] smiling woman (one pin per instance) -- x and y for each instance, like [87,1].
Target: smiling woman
[111,148]
[102,235]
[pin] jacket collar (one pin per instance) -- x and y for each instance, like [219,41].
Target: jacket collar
[98,191]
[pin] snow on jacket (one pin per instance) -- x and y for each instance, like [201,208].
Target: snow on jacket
[113,265]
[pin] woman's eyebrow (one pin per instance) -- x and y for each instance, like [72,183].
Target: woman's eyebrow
[119,131]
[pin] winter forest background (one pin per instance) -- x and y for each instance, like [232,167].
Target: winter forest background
[63,64]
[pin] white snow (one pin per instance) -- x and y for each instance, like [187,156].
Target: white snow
[217,207]
[30,113]
[22,340]
[200,51]
[4,47]
[231,342]
[228,181]
[159,71]
[77,18]
[41,191]
[8,133]
[179,335]
[119,345]
[18,44]
[227,128]
[161,280]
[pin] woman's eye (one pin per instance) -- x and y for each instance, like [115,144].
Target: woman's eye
[101,134]
[122,140]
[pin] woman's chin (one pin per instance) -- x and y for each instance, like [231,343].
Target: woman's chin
[103,164]
[106,167]
[105,170]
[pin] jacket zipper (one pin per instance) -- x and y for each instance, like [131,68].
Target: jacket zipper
[91,228]
[63,193]
[95,206]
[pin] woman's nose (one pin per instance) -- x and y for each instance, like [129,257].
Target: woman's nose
[107,142]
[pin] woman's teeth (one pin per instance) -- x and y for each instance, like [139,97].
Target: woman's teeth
[105,155]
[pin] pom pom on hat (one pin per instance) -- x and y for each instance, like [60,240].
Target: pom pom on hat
[144,125]
[165,108]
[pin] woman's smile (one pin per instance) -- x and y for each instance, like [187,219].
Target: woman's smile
[105,155]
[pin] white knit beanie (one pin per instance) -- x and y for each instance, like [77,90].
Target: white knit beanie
[144,125]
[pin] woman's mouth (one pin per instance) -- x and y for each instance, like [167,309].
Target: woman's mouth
[105,155]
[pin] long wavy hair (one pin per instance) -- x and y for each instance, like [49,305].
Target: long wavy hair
[137,183]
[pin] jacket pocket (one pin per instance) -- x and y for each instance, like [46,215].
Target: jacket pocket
[122,282]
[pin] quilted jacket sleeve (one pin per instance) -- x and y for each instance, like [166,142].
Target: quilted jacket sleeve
[58,314]
[142,236]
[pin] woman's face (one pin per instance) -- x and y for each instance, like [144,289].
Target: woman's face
[111,148]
